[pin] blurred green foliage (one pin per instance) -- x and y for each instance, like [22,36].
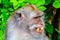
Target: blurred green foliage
[56,4]
[8,6]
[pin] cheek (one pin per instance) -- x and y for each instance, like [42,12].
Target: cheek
[36,20]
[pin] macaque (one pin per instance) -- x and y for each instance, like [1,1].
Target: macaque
[26,23]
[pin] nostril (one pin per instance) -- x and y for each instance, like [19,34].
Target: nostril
[41,24]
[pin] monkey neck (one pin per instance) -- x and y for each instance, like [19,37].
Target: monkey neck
[38,36]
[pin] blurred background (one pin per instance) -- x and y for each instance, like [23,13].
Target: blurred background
[50,7]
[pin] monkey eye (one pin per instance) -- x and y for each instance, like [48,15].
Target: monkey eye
[18,14]
[37,17]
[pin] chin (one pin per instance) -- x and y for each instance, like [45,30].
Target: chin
[35,35]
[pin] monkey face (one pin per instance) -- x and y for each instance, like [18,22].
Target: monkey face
[37,24]
[34,19]
[25,24]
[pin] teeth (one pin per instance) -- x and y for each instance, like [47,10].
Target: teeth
[42,28]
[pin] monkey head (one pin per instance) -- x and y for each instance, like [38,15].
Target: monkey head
[30,18]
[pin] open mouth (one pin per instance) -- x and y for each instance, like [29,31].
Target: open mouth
[38,30]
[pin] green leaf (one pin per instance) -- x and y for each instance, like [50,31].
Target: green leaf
[4,11]
[10,4]
[57,30]
[22,4]
[49,28]
[47,2]
[0,1]
[6,3]
[48,16]
[57,0]
[42,8]
[40,2]
[10,9]
[33,1]
[15,7]
[19,5]
[26,1]
[58,36]
[20,1]
[0,8]
[56,4]
[14,2]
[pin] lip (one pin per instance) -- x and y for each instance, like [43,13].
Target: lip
[39,32]
[39,25]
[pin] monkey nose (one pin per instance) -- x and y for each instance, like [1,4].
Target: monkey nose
[40,23]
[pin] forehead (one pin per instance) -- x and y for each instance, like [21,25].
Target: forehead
[19,10]
[34,14]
